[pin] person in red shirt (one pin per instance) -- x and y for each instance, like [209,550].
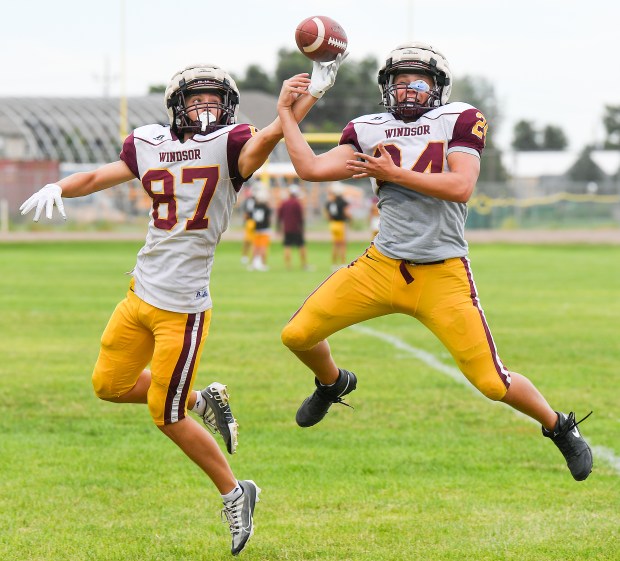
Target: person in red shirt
[291,224]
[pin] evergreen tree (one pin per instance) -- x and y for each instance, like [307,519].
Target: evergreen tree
[256,79]
[554,138]
[611,120]
[525,137]
[585,169]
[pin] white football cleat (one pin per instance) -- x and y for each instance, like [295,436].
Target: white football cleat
[218,417]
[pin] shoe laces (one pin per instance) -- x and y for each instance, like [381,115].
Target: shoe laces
[231,515]
[340,401]
[564,444]
[324,395]
[209,420]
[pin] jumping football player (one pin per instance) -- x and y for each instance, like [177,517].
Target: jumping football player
[422,157]
[192,170]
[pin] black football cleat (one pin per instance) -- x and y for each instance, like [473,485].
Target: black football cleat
[315,407]
[566,436]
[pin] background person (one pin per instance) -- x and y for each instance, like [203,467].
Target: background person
[291,223]
[374,217]
[248,225]
[261,216]
[337,213]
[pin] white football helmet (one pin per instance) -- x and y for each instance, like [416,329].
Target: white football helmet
[201,78]
[415,57]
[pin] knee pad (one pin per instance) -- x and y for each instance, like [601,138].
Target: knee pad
[294,338]
[494,389]
[101,386]
[485,379]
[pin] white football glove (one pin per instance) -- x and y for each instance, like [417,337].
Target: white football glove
[324,75]
[45,197]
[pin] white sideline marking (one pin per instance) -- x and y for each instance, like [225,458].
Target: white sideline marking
[606,454]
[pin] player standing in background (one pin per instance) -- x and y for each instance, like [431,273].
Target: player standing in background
[422,157]
[337,213]
[261,216]
[374,217]
[248,225]
[291,223]
[192,171]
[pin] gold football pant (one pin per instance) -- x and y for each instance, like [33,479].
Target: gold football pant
[442,296]
[338,229]
[138,333]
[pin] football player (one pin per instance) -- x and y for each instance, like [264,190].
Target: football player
[422,157]
[192,170]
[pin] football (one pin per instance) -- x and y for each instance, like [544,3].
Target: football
[321,38]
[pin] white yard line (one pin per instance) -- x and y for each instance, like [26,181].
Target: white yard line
[606,454]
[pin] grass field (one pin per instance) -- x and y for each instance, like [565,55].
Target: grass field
[421,469]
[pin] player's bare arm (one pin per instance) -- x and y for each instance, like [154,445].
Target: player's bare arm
[256,150]
[330,166]
[309,166]
[76,185]
[322,78]
[85,183]
[457,185]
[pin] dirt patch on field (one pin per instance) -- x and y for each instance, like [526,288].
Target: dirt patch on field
[607,236]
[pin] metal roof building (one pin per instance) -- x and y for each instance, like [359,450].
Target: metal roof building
[88,130]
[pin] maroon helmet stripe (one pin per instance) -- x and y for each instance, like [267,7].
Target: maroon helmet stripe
[181,376]
[501,370]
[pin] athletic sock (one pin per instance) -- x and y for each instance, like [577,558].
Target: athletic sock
[200,406]
[234,494]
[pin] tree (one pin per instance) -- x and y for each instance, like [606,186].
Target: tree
[355,92]
[256,79]
[480,93]
[525,137]
[584,169]
[553,138]
[611,121]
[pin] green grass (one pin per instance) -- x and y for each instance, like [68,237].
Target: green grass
[422,469]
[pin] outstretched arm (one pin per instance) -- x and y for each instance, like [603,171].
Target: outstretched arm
[304,93]
[330,166]
[76,185]
[257,149]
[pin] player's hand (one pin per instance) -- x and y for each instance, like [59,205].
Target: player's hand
[381,167]
[292,89]
[47,197]
[324,75]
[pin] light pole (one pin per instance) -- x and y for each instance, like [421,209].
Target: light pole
[123,96]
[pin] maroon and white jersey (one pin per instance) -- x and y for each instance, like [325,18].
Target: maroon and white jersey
[193,186]
[414,226]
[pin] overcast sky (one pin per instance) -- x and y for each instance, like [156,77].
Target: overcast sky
[551,61]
